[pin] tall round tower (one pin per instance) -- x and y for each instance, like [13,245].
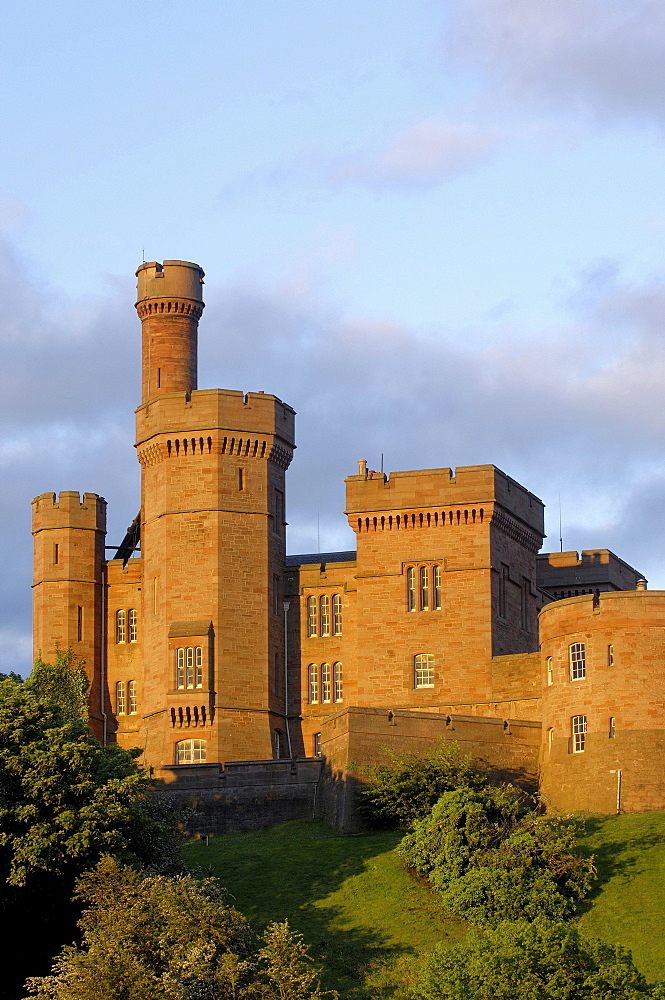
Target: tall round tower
[169,304]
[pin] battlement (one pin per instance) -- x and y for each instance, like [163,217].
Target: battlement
[174,279]
[471,485]
[637,608]
[68,510]
[224,410]
[559,573]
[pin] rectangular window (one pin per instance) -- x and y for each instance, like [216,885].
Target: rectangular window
[326,686]
[311,617]
[610,655]
[578,726]
[411,589]
[133,624]
[424,670]
[120,626]
[79,624]
[437,588]
[317,744]
[199,666]
[180,669]
[120,698]
[324,615]
[241,480]
[424,588]
[577,661]
[612,727]
[337,614]
[550,671]
[56,553]
[190,667]
[131,697]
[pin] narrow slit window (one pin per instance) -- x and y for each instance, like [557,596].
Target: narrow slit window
[612,727]
[437,588]
[550,671]
[550,738]
[241,480]
[610,655]
[79,624]
[56,554]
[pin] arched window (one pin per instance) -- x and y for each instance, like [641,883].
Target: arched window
[180,668]
[324,615]
[423,670]
[190,751]
[326,686]
[189,672]
[577,661]
[437,588]
[550,671]
[424,588]
[120,698]
[550,739]
[199,666]
[337,614]
[311,617]
[411,589]
[313,683]
[338,690]
[120,620]
[133,625]
[131,698]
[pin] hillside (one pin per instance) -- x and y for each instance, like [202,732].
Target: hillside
[364,915]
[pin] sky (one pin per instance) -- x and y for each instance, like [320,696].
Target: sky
[433,227]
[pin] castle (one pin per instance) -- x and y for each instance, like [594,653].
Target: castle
[220,656]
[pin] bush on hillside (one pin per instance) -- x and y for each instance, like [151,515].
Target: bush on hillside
[493,860]
[543,960]
[403,791]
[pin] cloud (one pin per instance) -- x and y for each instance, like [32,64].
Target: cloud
[419,157]
[598,58]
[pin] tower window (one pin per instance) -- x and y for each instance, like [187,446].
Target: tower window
[317,744]
[338,691]
[79,624]
[337,614]
[579,730]
[313,683]
[133,625]
[324,615]
[311,617]
[411,589]
[437,588]
[424,588]
[120,698]
[120,624]
[325,683]
[550,739]
[550,671]
[610,655]
[423,670]
[190,752]
[198,653]
[189,672]
[577,661]
[612,728]
[131,698]
[180,669]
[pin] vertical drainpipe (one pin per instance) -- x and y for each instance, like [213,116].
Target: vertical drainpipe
[287,604]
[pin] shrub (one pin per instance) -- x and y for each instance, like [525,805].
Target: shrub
[405,790]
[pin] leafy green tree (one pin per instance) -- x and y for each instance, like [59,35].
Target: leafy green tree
[403,791]
[63,683]
[542,960]
[493,860]
[153,937]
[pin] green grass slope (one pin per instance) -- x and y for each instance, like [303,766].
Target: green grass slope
[628,906]
[366,920]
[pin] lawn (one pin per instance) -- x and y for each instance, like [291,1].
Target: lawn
[366,919]
[628,907]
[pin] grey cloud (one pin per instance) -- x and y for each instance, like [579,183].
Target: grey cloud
[604,58]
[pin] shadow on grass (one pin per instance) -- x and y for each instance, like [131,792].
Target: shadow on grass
[291,871]
[615,854]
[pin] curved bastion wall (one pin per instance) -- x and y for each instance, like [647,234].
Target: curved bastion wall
[603,683]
